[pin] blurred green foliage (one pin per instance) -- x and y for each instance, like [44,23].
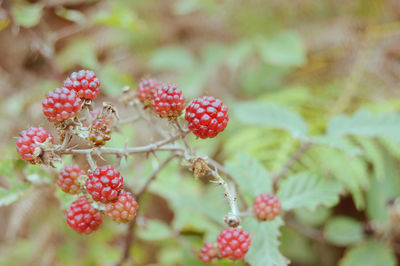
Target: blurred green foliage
[291,72]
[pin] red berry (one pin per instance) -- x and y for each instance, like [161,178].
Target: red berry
[82,217]
[26,143]
[68,178]
[124,209]
[104,184]
[233,243]
[85,83]
[61,104]
[266,207]
[146,90]
[168,101]
[209,253]
[207,116]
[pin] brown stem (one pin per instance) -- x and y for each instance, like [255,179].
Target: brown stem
[131,226]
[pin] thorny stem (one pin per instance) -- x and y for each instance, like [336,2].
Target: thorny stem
[230,193]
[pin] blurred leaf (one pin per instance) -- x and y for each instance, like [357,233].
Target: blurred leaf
[264,248]
[371,253]
[17,188]
[351,172]
[270,115]
[70,14]
[284,49]
[250,175]
[338,143]
[114,80]
[27,15]
[291,241]
[365,123]
[154,230]
[381,191]
[308,190]
[172,58]
[313,217]
[79,52]
[119,16]
[343,231]
[374,154]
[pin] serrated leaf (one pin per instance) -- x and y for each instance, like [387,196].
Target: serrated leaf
[250,175]
[264,248]
[308,191]
[343,231]
[284,49]
[365,123]
[27,15]
[271,116]
[371,253]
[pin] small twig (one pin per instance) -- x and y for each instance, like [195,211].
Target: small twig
[229,192]
[183,134]
[304,146]
[92,164]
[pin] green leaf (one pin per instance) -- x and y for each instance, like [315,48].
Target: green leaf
[270,115]
[154,230]
[119,16]
[284,49]
[365,123]
[113,80]
[81,51]
[17,188]
[308,190]
[313,218]
[371,253]
[172,58]
[27,15]
[250,175]
[71,15]
[264,248]
[339,143]
[343,231]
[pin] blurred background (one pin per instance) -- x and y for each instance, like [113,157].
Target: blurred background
[315,58]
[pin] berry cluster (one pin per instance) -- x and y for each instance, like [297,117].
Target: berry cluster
[206,116]
[266,207]
[232,243]
[101,189]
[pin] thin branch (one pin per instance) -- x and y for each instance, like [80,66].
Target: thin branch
[154,175]
[131,225]
[230,193]
[183,134]
[304,146]
[89,158]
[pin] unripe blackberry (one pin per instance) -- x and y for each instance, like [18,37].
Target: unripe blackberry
[104,184]
[26,143]
[100,132]
[68,178]
[61,104]
[207,116]
[233,243]
[124,209]
[209,253]
[168,101]
[82,217]
[266,207]
[85,83]
[146,90]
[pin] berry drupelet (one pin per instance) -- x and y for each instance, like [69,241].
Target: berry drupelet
[61,104]
[233,243]
[168,101]
[82,217]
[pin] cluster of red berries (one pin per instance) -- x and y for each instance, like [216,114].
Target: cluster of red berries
[105,185]
[206,116]
[232,243]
